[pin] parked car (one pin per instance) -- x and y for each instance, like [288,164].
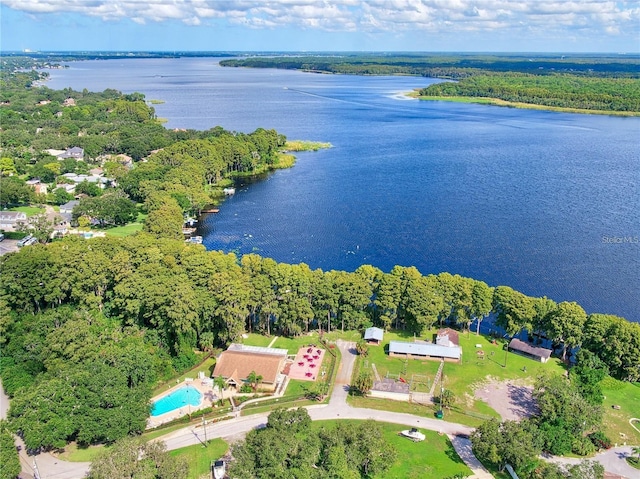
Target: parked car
[25,240]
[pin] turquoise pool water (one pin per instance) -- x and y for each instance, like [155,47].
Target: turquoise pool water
[187,395]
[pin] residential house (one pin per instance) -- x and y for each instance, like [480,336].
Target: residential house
[38,186]
[238,361]
[10,219]
[75,152]
[66,210]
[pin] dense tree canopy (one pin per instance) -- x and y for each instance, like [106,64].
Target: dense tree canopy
[289,448]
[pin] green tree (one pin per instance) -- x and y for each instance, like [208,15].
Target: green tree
[7,167]
[40,226]
[165,221]
[362,384]
[481,297]
[89,189]
[586,470]
[254,380]
[447,398]
[362,347]
[221,385]
[8,455]
[514,311]
[59,196]
[565,325]
[131,457]
[14,191]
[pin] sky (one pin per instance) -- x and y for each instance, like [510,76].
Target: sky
[566,26]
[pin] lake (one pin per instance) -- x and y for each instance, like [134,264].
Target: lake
[547,203]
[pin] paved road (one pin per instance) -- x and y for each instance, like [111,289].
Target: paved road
[613,461]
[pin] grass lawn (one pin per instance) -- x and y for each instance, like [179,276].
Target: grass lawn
[255,339]
[434,457]
[616,421]
[293,344]
[126,230]
[73,453]
[462,378]
[29,210]
[199,458]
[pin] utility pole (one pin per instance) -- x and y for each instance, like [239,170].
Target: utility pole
[204,424]
[36,473]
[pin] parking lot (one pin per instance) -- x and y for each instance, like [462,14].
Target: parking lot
[8,246]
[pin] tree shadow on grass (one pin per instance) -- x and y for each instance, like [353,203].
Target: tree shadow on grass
[452,454]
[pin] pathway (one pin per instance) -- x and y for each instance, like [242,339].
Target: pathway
[272,341]
[612,459]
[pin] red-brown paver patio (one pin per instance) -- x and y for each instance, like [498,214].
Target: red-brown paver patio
[307,364]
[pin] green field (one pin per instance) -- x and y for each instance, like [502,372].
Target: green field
[199,458]
[29,210]
[73,453]
[254,339]
[616,421]
[433,458]
[126,230]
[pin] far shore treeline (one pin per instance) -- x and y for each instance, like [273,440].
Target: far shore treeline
[573,82]
[89,327]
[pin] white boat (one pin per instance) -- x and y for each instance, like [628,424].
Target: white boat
[413,434]
[229,191]
[219,469]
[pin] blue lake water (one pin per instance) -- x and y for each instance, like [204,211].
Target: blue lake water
[547,203]
[183,396]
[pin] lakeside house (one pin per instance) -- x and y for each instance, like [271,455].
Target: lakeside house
[238,361]
[424,350]
[530,351]
[374,336]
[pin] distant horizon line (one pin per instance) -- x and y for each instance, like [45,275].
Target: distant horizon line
[312,52]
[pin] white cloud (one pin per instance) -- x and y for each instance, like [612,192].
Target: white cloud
[605,17]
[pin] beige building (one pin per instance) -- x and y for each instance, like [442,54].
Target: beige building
[238,361]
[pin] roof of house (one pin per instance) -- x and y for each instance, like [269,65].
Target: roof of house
[238,364]
[374,333]
[425,349]
[448,337]
[13,215]
[523,347]
[68,207]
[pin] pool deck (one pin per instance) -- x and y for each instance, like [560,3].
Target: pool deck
[209,394]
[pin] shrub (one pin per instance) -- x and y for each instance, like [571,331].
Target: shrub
[583,446]
[600,440]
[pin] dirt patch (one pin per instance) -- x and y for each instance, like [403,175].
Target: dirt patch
[512,400]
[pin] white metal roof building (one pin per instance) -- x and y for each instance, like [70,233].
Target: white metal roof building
[424,350]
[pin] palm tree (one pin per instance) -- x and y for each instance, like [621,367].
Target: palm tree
[254,379]
[221,383]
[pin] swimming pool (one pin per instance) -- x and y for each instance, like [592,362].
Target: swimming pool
[184,396]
